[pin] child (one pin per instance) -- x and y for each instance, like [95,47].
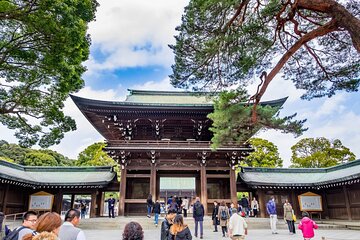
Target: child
[307,226]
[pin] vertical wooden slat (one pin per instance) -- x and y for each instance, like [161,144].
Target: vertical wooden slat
[262,203]
[203,183]
[153,182]
[233,191]
[347,203]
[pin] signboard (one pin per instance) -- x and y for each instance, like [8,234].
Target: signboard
[41,201]
[310,202]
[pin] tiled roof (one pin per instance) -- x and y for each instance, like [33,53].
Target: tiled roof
[300,176]
[56,175]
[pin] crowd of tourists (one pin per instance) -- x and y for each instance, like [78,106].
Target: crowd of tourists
[231,219]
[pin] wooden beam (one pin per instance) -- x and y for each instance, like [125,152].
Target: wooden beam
[233,190]
[4,200]
[153,182]
[347,203]
[203,184]
[122,192]
[93,204]
[262,203]
[135,201]
[217,175]
[138,175]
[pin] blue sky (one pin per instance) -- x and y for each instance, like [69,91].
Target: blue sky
[130,50]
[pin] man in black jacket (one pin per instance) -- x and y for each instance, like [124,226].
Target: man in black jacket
[157,211]
[214,216]
[166,224]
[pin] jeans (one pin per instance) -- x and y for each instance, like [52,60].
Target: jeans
[291,226]
[273,220]
[196,228]
[156,220]
[148,210]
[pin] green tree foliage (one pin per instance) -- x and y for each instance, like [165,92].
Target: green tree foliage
[319,152]
[94,155]
[39,159]
[265,154]
[231,119]
[42,46]
[315,43]
[27,156]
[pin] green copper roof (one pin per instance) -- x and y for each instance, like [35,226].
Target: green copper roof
[300,176]
[167,97]
[56,175]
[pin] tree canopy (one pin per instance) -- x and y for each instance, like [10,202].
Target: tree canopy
[42,46]
[94,155]
[32,157]
[231,119]
[319,152]
[314,43]
[265,154]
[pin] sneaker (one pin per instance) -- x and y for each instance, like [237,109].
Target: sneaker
[201,237]
[148,216]
[156,225]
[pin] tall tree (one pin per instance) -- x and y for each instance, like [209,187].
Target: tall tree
[42,46]
[94,155]
[315,43]
[319,152]
[36,158]
[231,119]
[265,154]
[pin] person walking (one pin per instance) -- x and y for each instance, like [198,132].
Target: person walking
[69,229]
[166,224]
[157,211]
[307,226]
[185,206]
[83,210]
[149,205]
[179,230]
[198,215]
[111,205]
[237,226]
[254,207]
[245,205]
[271,210]
[214,216]
[223,217]
[288,217]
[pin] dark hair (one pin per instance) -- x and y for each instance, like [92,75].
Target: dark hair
[133,231]
[171,211]
[185,197]
[305,214]
[71,214]
[215,201]
[222,203]
[28,214]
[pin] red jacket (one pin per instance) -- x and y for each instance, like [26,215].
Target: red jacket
[307,227]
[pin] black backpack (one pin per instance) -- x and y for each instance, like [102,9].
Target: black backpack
[14,234]
[198,210]
[223,215]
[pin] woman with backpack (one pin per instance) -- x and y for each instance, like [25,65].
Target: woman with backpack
[223,217]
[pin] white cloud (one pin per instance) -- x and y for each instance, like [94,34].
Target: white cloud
[163,85]
[131,33]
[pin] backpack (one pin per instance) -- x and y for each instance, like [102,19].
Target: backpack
[223,215]
[198,210]
[14,234]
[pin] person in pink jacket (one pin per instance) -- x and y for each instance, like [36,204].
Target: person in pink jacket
[307,226]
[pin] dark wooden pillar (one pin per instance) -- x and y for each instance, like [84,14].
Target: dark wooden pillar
[233,190]
[325,205]
[122,192]
[203,183]
[262,203]
[93,204]
[153,182]
[72,201]
[347,203]
[4,200]
[58,201]
[295,203]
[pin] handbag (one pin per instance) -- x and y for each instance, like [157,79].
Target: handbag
[293,216]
